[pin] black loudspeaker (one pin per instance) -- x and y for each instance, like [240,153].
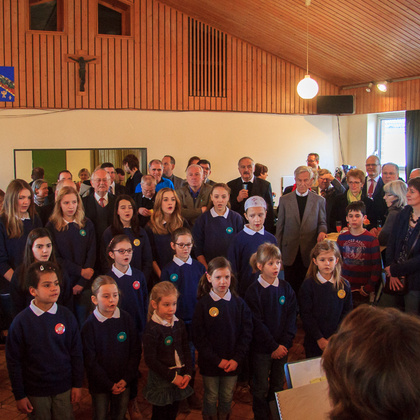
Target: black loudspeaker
[337,104]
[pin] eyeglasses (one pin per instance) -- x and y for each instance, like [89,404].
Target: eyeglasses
[182,246]
[124,251]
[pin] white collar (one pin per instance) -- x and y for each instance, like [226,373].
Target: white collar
[119,273]
[302,195]
[156,318]
[322,279]
[102,318]
[251,232]
[265,284]
[66,222]
[216,297]
[26,217]
[374,179]
[38,311]
[214,214]
[179,262]
[251,180]
[98,197]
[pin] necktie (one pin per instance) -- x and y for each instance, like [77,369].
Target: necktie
[371,188]
[102,202]
[323,193]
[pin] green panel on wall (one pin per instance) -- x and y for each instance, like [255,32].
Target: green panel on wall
[53,161]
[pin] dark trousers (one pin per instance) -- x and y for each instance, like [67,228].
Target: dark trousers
[166,412]
[295,274]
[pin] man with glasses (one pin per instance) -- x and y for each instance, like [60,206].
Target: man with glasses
[115,188]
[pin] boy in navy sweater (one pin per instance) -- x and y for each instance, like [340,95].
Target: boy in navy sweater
[44,351]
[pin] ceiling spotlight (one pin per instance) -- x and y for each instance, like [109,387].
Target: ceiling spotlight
[382,86]
[369,87]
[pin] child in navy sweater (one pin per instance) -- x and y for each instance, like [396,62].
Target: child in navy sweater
[44,351]
[215,229]
[111,351]
[324,298]
[274,309]
[166,353]
[222,332]
[247,242]
[185,273]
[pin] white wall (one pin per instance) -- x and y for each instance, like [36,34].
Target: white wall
[281,142]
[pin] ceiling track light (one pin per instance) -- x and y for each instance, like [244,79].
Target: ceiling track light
[382,86]
[307,88]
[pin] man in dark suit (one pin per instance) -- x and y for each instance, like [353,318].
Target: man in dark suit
[247,185]
[131,166]
[99,207]
[115,189]
[168,163]
[301,223]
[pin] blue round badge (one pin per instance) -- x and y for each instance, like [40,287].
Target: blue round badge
[229,230]
[282,300]
[122,336]
[168,340]
[82,232]
[173,277]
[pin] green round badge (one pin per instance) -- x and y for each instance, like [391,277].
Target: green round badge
[122,336]
[168,340]
[282,300]
[82,232]
[173,277]
[229,230]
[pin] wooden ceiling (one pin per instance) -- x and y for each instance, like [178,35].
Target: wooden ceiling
[350,41]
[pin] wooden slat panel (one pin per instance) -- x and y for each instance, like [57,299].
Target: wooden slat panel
[36,71]
[50,72]
[91,49]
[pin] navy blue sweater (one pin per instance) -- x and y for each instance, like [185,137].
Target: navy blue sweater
[274,311]
[134,297]
[75,249]
[185,278]
[161,247]
[225,336]
[41,359]
[213,235]
[240,251]
[111,351]
[322,310]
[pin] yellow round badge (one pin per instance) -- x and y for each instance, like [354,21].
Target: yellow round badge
[136,242]
[213,312]
[341,294]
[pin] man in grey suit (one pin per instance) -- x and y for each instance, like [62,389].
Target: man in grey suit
[301,224]
[195,196]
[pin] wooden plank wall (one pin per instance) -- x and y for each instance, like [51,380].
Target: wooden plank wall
[149,69]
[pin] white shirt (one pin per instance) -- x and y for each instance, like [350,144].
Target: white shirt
[251,180]
[180,263]
[102,318]
[302,195]
[265,284]
[98,197]
[38,311]
[216,297]
[214,214]
[251,232]
[322,279]
[119,273]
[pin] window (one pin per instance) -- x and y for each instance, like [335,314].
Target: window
[46,15]
[114,17]
[391,139]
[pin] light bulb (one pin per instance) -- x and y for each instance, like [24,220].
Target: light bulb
[307,88]
[382,86]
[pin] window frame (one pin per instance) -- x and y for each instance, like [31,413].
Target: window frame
[124,7]
[60,17]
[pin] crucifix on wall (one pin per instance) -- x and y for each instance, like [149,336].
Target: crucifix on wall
[82,59]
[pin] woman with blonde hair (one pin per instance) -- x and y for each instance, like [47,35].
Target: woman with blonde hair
[74,237]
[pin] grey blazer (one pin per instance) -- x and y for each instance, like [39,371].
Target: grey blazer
[293,233]
[189,209]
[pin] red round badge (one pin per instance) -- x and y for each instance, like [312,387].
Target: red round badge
[136,285]
[60,328]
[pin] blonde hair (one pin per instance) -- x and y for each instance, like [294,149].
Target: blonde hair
[160,290]
[326,246]
[156,220]
[57,216]
[101,281]
[265,252]
[9,213]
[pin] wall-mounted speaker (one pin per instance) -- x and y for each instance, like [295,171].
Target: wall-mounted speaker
[336,104]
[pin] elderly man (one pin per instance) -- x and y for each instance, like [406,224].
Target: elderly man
[390,172]
[115,188]
[145,200]
[99,206]
[301,223]
[415,173]
[248,185]
[195,196]
[156,170]
[168,162]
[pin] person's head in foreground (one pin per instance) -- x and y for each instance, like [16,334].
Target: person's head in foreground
[372,366]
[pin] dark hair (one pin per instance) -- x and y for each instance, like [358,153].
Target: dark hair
[117,227]
[28,255]
[356,206]
[119,171]
[37,173]
[107,165]
[191,160]
[36,269]
[260,169]
[65,171]
[172,159]
[204,286]
[132,161]
[314,154]
[372,366]
[112,245]
[415,183]
[204,162]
